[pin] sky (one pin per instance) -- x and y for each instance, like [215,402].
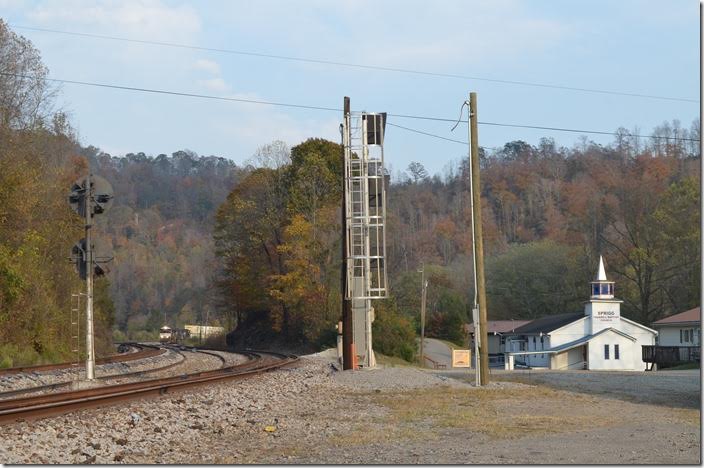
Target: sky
[637,47]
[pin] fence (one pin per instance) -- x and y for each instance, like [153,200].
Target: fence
[664,355]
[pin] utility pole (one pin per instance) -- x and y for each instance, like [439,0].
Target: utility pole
[90,349]
[347,330]
[423,288]
[480,336]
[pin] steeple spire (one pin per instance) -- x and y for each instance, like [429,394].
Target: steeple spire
[601,274]
[601,288]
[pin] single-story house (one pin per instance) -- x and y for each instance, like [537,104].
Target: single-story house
[683,329]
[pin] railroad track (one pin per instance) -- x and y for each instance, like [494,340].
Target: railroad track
[62,402]
[140,373]
[145,351]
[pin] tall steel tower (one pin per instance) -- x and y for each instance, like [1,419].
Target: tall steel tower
[365,216]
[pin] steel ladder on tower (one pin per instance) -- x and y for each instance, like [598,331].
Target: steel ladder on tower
[75,333]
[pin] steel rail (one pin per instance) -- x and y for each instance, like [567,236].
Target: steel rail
[62,402]
[140,373]
[146,351]
[68,383]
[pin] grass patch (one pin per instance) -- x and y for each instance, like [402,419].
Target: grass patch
[685,366]
[687,416]
[502,414]
[392,361]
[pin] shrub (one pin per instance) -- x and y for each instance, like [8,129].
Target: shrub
[393,334]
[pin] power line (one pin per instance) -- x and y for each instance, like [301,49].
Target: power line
[426,133]
[538,127]
[177,93]
[358,65]
[333,109]
[433,135]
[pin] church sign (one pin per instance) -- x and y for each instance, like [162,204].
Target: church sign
[606,315]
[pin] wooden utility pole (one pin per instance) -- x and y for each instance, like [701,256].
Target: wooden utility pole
[479,248]
[347,330]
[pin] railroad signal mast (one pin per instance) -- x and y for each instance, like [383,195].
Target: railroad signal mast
[90,196]
[364,225]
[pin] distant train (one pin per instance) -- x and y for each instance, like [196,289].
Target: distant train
[173,335]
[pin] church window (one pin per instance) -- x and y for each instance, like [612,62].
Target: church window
[606,351]
[617,355]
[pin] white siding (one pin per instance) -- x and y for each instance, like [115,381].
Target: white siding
[603,314]
[534,344]
[570,332]
[643,337]
[628,351]
[670,335]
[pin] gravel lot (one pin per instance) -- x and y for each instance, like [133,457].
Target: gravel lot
[311,413]
[678,389]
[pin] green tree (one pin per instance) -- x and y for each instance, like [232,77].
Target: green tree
[535,279]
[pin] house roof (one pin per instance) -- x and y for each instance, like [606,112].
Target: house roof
[498,326]
[584,339]
[549,323]
[573,344]
[691,315]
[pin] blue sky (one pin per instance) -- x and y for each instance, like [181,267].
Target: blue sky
[648,47]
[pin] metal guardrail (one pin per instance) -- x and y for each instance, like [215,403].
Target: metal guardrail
[436,364]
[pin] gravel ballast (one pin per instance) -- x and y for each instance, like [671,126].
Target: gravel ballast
[312,413]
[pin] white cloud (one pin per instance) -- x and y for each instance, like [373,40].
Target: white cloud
[253,125]
[215,84]
[147,19]
[419,35]
[207,65]
[7,5]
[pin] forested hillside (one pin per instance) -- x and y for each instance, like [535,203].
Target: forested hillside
[38,164]
[160,232]
[548,213]
[257,248]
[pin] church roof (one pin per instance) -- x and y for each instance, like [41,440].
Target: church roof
[573,344]
[549,323]
[498,326]
[585,339]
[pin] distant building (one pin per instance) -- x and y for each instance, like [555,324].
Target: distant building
[683,329]
[599,338]
[497,330]
[535,336]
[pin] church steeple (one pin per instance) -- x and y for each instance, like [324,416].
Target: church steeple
[601,288]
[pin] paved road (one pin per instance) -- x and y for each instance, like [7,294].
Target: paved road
[438,352]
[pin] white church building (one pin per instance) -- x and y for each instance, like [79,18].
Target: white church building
[598,339]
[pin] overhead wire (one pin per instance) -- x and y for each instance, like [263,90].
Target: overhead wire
[358,65]
[331,109]
[426,133]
